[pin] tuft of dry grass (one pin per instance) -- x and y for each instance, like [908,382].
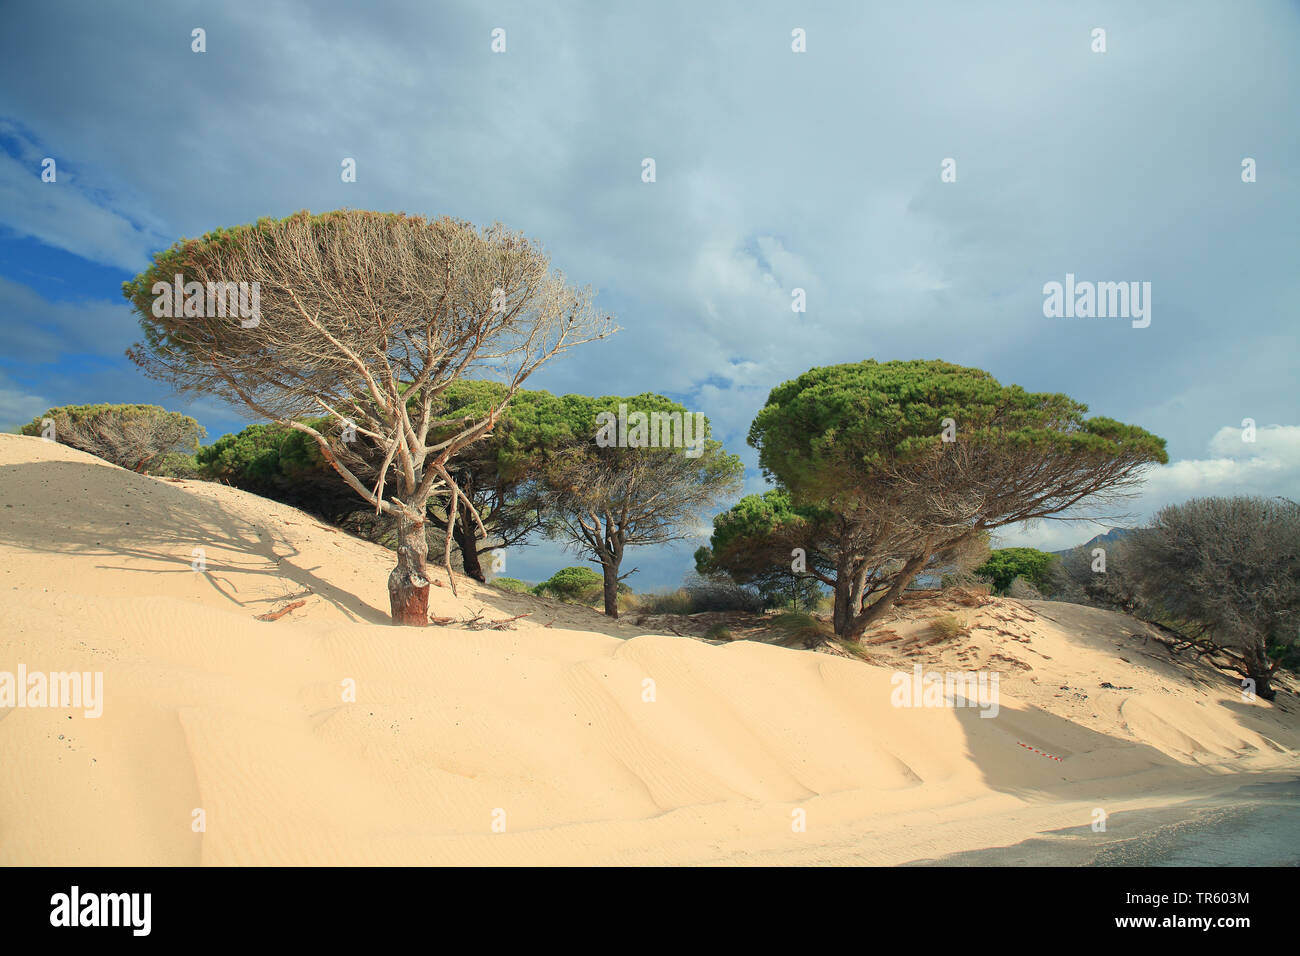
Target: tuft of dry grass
[719,632]
[798,626]
[947,627]
[852,649]
[970,595]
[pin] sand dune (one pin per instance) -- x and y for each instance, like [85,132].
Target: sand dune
[583,740]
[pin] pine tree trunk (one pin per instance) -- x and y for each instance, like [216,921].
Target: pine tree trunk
[611,590]
[1257,666]
[408,584]
[466,539]
[843,614]
[858,626]
[840,620]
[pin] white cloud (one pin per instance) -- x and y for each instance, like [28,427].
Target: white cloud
[18,406]
[1270,442]
[735,289]
[1048,535]
[1268,466]
[37,329]
[65,213]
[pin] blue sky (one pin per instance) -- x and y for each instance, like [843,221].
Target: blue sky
[774,170]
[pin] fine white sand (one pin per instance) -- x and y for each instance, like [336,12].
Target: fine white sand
[568,739]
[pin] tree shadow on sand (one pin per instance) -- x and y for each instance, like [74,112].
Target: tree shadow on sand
[1000,747]
[1095,766]
[153,520]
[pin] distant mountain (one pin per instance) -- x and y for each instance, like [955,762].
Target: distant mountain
[1110,537]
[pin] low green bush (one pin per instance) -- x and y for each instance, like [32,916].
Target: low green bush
[575,585]
[511,584]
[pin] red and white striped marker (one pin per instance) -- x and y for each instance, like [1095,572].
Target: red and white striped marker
[1037,751]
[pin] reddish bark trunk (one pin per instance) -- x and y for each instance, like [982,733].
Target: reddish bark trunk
[408,584]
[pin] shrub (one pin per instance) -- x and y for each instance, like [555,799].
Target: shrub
[1079,579]
[1230,569]
[511,584]
[177,465]
[277,462]
[134,437]
[668,602]
[1006,564]
[720,593]
[701,593]
[1022,590]
[719,632]
[575,585]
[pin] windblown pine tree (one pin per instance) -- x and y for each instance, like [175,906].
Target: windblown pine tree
[365,319]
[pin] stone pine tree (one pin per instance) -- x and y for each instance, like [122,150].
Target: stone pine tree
[365,319]
[499,475]
[894,467]
[625,482]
